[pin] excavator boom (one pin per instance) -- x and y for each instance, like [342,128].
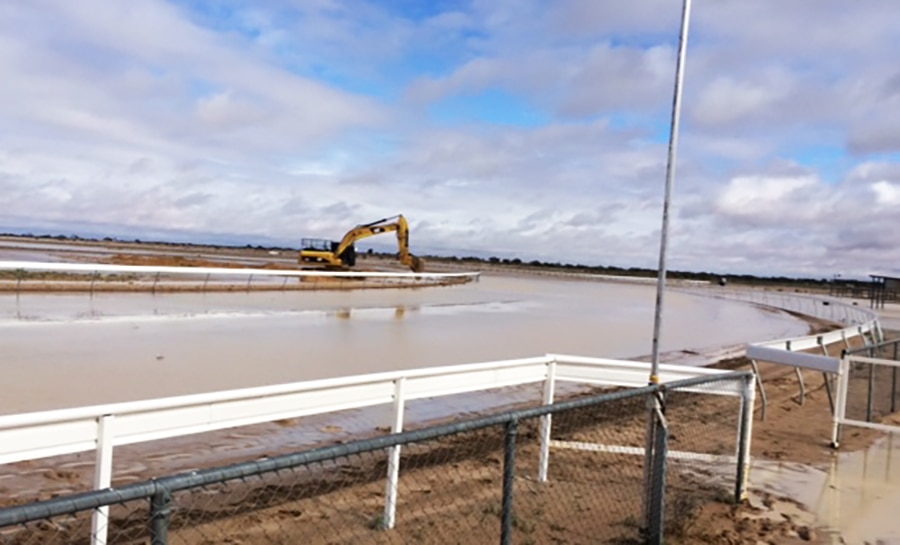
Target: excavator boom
[343,253]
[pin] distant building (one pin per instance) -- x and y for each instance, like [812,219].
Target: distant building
[883,289]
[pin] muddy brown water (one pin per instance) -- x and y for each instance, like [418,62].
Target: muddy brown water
[64,350]
[853,499]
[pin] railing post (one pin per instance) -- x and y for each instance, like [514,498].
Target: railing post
[547,421]
[509,475]
[745,435]
[393,475]
[657,500]
[762,389]
[827,377]
[869,397]
[159,517]
[894,383]
[843,380]
[102,476]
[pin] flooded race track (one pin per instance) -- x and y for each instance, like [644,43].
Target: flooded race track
[76,349]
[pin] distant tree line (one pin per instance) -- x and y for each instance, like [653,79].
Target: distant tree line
[493,260]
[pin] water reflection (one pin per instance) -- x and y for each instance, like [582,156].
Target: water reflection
[854,499]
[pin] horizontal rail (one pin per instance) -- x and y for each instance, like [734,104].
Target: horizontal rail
[640,451]
[630,374]
[202,271]
[50,433]
[876,346]
[816,362]
[875,361]
[887,428]
[809,342]
[204,477]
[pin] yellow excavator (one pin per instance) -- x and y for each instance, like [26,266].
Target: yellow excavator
[342,254]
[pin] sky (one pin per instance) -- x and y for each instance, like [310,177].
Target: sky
[508,128]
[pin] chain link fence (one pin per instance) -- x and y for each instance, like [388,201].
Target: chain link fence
[482,480]
[873,389]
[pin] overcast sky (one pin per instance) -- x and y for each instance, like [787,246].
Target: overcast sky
[498,127]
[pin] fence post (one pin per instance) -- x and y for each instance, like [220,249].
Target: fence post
[843,380]
[871,387]
[745,434]
[546,421]
[102,476]
[159,517]
[509,474]
[762,389]
[826,376]
[894,383]
[393,476]
[657,497]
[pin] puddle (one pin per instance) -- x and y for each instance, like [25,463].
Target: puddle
[853,500]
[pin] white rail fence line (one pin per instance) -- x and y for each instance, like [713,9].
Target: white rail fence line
[101,428]
[799,352]
[207,272]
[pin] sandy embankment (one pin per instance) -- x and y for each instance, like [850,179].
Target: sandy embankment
[37,281]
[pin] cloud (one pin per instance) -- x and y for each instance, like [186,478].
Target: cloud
[886,193]
[771,199]
[727,100]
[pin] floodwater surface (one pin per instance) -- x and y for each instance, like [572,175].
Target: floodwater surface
[62,350]
[853,500]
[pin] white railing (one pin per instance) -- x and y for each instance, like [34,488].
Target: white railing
[103,427]
[798,351]
[97,268]
[49,433]
[818,306]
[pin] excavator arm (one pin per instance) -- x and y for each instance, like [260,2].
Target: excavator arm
[343,254]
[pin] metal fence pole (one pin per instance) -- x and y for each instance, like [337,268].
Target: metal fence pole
[159,517]
[827,377]
[871,386]
[650,442]
[745,434]
[894,382]
[509,474]
[762,388]
[657,503]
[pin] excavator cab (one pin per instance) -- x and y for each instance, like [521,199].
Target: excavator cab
[322,250]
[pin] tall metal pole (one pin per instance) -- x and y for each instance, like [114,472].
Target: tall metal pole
[652,473]
[670,182]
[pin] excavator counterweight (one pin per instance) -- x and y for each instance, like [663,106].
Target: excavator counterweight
[342,254]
